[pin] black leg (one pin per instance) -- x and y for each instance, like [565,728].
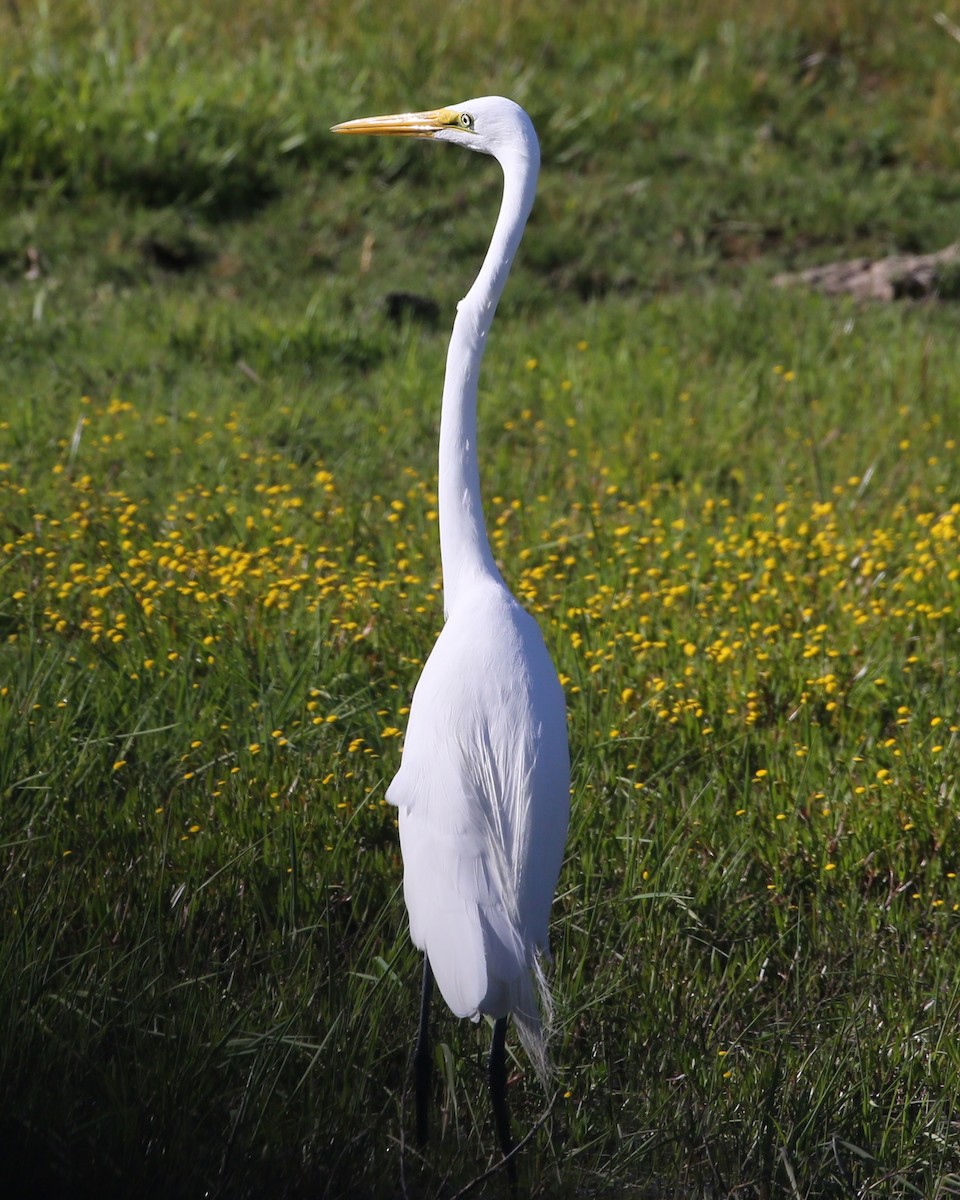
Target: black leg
[498,1094]
[422,1056]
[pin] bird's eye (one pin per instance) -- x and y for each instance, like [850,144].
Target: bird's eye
[465,120]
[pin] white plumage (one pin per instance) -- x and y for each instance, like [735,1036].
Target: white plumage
[482,794]
[483,788]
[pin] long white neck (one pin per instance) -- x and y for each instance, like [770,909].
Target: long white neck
[465,552]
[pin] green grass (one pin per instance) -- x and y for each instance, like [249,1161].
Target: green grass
[734,510]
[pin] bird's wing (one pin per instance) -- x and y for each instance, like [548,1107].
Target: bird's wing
[483,798]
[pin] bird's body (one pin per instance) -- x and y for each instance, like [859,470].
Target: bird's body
[483,788]
[481,793]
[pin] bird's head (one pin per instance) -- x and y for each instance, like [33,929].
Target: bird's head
[489,125]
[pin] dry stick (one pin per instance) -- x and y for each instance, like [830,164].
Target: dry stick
[945,23]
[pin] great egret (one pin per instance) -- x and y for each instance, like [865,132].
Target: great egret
[483,790]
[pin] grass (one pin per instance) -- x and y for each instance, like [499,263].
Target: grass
[734,510]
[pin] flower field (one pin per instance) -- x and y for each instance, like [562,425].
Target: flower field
[735,512]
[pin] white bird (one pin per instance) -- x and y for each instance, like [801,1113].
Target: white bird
[483,790]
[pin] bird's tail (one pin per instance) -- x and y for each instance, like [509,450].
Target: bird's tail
[533,1014]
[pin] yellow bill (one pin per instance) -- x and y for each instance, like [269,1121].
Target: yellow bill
[418,124]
